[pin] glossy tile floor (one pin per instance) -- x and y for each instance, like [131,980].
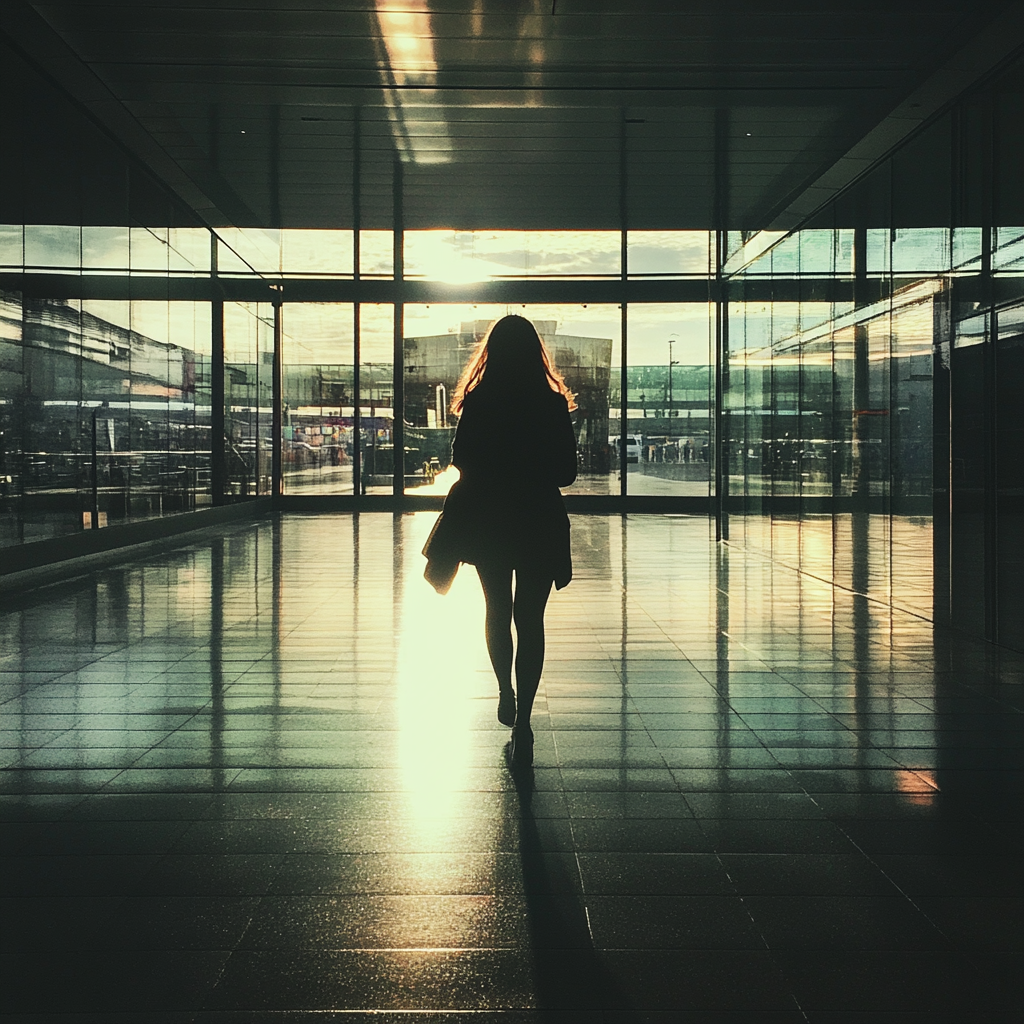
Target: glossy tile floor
[261,779]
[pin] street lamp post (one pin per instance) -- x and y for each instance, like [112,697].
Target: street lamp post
[671,362]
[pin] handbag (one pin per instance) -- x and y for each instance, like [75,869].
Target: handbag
[442,559]
[442,549]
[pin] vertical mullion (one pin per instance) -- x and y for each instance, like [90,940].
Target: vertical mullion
[357,408]
[277,417]
[216,380]
[398,384]
[623,308]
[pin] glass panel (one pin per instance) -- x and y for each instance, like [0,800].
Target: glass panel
[465,256]
[55,429]
[52,246]
[318,398]
[1008,257]
[439,340]
[11,245]
[249,250]
[189,250]
[15,418]
[376,390]
[316,253]
[149,250]
[920,250]
[669,400]
[105,248]
[248,370]
[817,252]
[376,253]
[585,343]
[1009,445]
[669,253]
[747,404]
[153,406]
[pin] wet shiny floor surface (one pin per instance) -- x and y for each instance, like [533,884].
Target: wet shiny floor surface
[261,779]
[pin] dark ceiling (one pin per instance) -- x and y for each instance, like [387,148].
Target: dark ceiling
[507,113]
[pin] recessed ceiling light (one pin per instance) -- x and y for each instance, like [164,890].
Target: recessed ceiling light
[748,135]
[243,131]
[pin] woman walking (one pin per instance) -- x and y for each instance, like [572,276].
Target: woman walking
[514,447]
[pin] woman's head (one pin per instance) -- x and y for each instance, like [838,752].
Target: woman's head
[511,358]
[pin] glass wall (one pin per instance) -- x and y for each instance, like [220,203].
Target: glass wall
[248,404]
[829,423]
[669,435]
[104,412]
[376,397]
[585,341]
[872,416]
[105,327]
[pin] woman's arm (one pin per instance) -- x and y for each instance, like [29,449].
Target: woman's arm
[467,450]
[566,459]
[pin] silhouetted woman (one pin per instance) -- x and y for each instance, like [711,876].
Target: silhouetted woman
[515,447]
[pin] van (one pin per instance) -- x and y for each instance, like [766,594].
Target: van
[634,443]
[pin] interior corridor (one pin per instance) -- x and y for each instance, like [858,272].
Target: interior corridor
[260,778]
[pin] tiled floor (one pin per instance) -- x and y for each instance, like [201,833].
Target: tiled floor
[261,779]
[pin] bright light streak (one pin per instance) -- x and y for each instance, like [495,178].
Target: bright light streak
[408,68]
[442,667]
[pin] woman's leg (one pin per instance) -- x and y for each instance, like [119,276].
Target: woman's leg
[531,598]
[496,582]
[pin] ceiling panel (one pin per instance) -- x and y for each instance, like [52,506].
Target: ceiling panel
[510,113]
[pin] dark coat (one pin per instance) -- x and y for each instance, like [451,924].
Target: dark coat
[513,457]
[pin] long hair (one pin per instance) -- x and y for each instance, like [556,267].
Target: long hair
[511,356]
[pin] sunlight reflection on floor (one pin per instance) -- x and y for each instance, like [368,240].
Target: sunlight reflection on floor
[440,659]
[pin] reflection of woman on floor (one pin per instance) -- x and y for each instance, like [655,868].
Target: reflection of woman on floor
[515,447]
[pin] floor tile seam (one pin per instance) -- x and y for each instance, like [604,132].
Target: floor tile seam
[105,788]
[871,860]
[575,858]
[847,728]
[746,910]
[951,943]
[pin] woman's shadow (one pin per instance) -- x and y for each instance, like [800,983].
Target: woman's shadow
[567,971]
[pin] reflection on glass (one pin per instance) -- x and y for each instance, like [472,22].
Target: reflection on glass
[12,245]
[248,369]
[103,414]
[584,340]
[53,246]
[1008,256]
[820,252]
[830,401]
[319,398]
[668,434]
[376,396]
[409,79]
[105,248]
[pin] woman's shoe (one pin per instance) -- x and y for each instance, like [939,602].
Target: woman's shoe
[520,753]
[507,707]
